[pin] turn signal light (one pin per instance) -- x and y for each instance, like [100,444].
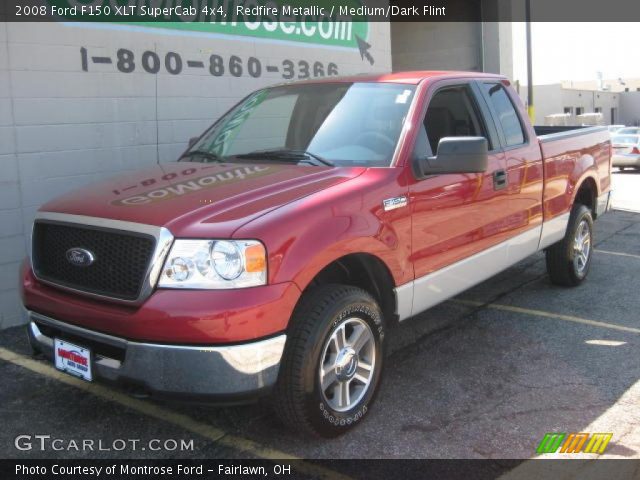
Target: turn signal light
[255,258]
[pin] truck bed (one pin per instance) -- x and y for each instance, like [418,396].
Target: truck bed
[568,154]
[549,133]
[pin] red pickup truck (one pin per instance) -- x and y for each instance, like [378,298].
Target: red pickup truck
[275,254]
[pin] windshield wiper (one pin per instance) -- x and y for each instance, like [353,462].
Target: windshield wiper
[314,156]
[287,154]
[203,153]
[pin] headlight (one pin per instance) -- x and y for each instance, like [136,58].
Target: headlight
[213,264]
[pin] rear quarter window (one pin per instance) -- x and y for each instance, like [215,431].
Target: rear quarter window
[506,112]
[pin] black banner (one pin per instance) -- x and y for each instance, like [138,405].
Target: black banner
[315,469]
[255,11]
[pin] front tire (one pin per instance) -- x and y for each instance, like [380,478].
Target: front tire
[568,261]
[332,364]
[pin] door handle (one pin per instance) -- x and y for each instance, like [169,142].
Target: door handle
[499,179]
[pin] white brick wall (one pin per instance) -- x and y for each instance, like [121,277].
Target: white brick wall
[62,127]
[12,243]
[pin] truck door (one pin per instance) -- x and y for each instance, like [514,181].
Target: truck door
[456,217]
[522,213]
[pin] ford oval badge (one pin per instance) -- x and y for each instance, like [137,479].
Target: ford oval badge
[80,257]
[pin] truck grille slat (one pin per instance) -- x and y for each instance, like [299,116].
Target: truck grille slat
[121,258]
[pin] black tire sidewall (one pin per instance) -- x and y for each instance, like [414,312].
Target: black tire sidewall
[325,420]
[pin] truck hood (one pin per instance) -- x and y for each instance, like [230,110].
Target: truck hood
[199,200]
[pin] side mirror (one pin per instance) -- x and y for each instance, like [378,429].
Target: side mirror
[193,141]
[457,155]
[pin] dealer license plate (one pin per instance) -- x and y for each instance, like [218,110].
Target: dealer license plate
[73,359]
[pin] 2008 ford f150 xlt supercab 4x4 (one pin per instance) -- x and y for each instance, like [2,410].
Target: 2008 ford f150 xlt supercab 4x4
[274,255]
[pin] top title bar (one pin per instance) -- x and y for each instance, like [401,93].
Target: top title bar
[265,11]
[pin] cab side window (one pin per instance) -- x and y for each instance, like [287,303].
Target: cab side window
[452,113]
[506,112]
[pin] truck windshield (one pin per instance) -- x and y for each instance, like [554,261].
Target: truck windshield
[345,124]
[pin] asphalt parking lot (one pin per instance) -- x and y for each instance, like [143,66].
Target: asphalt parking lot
[485,375]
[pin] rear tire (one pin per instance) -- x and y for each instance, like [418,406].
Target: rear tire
[332,362]
[568,261]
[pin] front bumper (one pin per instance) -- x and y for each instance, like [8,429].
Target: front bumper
[226,373]
[172,316]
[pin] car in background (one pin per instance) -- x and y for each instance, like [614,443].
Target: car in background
[614,128]
[628,131]
[626,151]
